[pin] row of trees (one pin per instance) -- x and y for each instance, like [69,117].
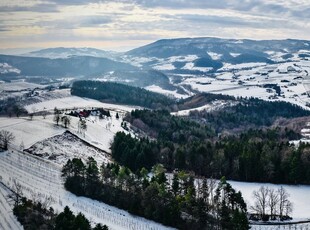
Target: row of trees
[181,201]
[270,203]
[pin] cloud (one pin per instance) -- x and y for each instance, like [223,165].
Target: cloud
[299,9]
[46,21]
[236,21]
[73,22]
[42,8]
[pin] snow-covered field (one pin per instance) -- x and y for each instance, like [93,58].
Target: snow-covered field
[248,80]
[158,89]
[214,105]
[72,102]
[299,195]
[29,132]
[17,86]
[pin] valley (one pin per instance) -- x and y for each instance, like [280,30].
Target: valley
[194,79]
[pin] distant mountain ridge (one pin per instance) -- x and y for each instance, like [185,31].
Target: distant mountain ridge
[201,46]
[207,55]
[156,63]
[62,52]
[72,66]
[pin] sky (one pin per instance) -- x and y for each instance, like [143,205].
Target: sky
[124,24]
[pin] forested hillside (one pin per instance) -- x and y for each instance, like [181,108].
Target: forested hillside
[262,155]
[120,93]
[248,113]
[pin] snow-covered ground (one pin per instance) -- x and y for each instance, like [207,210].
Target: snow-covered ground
[100,132]
[299,195]
[214,105]
[304,226]
[158,89]
[72,102]
[29,132]
[61,148]
[7,218]
[249,80]
[42,178]
[18,86]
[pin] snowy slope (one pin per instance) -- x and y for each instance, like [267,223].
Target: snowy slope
[7,218]
[61,148]
[40,177]
[72,102]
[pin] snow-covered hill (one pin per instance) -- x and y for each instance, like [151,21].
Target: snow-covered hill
[207,55]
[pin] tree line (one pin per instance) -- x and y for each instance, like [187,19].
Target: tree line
[175,200]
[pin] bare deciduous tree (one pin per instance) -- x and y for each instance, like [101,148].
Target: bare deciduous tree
[17,193]
[276,202]
[261,201]
[6,138]
[66,121]
[82,126]
[57,116]
[273,201]
[285,206]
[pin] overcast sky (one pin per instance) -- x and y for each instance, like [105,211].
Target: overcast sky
[124,24]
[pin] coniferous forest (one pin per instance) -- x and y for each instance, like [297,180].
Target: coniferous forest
[260,155]
[120,93]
